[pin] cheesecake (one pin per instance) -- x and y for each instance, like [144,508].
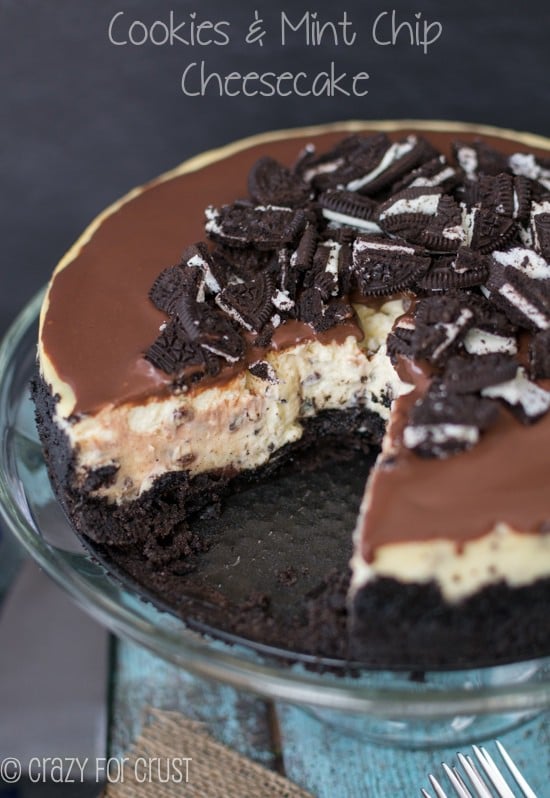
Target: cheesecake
[386,286]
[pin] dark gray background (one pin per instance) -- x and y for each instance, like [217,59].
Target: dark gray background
[82,120]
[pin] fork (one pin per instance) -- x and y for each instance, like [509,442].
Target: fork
[494,785]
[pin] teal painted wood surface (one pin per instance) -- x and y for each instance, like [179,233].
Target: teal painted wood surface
[141,679]
[312,754]
[331,765]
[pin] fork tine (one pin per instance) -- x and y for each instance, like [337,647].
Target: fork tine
[493,773]
[460,780]
[439,791]
[460,788]
[425,794]
[474,776]
[522,784]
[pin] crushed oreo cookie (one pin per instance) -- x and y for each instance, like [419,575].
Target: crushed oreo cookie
[249,303]
[173,352]
[540,227]
[349,160]
[443,423]
[478,158]
[381,267]
[472,374]
[321,315]
[407,213]
[436,172]
[395,161]
[400,341]
[349,208]
[527,400]
[263,370]
[375,218]
[271,183]
[519,285]
[441,324]
[466,270]
[245,225]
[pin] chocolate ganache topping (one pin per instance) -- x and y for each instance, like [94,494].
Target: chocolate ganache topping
[466,239]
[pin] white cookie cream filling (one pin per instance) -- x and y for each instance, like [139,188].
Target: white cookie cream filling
[394,153]
[526,261]
[481,342]
[351,221]
[426,204]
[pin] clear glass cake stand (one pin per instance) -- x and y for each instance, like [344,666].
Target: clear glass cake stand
[391,707]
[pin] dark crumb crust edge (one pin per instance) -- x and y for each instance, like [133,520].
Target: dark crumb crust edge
[390,624]
[408,624]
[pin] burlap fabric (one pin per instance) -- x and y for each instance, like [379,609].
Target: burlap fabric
[175,756]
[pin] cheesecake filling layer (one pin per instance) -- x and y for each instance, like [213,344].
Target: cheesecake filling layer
[501,555]
[244,422]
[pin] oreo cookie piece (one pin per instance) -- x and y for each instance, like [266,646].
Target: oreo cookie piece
[441,324]
[285,276]
[505,194]
[313,311]
[327,266]
[492,332]
[519,283]
[436,172]
[442,424]
[531,166]
[391,165]
[542,233]
[540,227]
[249,303]
[244,263]
[490,230]
[214,272]
[271,183]
[381,267]
[477,157]
[218,337]
[170,285]
[207,328]
[539,355]
[399,341]
[264,227]
[472,374]
[348,208]
[302,257]
[525,261]
[348,160]
[527,401]
[443,232]
[488,317]
[173,352]
[466,270]
[263,370]
[407,213]
[496,193]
